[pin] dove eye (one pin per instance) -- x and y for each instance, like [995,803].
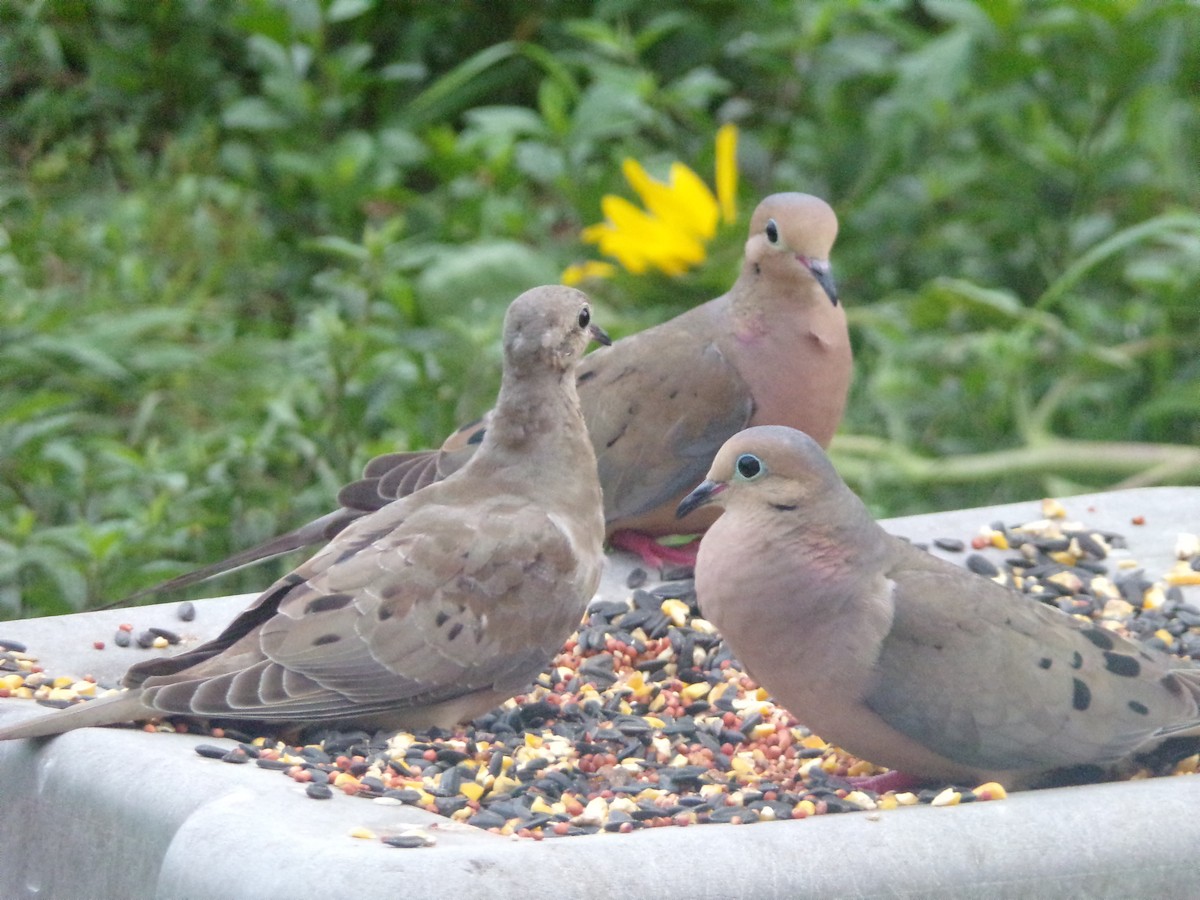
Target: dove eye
[772,231]
[585,317]
[748,466]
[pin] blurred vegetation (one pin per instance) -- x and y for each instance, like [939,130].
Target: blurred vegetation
[247,244]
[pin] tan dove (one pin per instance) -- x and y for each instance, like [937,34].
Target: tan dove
[434,608]
[773,350]
[905,659]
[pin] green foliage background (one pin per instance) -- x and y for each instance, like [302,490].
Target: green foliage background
[246,245]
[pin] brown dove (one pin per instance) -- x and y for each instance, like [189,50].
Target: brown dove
[774,349]
[434,608]
[905,659]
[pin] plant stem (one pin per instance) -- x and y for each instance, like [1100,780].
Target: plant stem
[1140,464]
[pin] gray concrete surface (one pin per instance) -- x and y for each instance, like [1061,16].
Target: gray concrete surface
[125,814]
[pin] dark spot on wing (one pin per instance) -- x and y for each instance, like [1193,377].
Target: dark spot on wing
[585,376]
[1120,664]
[455,631]
[616,437]
[327,603]
[784,507]
[385,613]
[477,437]
[1099,638]
[1077,660]
[327,639]
[442,619]
[1171,683]
[1044,662]
[1140,708]
[1082,697]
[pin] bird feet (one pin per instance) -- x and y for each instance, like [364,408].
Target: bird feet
[653,553]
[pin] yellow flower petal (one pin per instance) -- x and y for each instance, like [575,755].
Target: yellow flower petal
[578,273]
[679,217]
[726,171]
[638,179]
[625,250]
[638,241]
[685,202]
[693,201]
[624,216]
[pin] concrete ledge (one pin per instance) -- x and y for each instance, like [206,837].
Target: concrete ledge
[124,814]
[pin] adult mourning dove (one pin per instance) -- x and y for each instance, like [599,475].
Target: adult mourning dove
[434,608]
[774,349]
[905,659]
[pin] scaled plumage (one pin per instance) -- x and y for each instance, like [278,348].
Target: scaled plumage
[434,608]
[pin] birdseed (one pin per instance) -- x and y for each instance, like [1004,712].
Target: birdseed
[645,719]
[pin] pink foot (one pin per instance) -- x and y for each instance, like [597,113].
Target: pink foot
[653,553]
[888,781]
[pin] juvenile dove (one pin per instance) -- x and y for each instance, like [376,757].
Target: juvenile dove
[434,608]
[774,349]
[905,659]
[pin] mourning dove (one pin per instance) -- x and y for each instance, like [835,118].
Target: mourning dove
[905,659]
[774,349]
[434,608]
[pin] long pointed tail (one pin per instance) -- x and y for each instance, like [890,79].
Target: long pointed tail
[124,707]
[317,531]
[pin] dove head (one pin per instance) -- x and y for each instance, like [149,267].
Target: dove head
[772,467]
[790,238]
[549,328]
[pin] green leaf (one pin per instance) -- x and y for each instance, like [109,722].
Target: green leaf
[345,10]
[253,114]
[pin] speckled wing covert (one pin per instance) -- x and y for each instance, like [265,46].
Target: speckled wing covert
[1046,690]
[405,611]
[434,608]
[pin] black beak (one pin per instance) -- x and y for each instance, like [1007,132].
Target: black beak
[599,335]
[821,271]
[704,493]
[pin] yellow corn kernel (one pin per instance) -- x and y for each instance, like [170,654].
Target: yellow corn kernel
[676,610]
[948,797]
[992,790]
[695,691]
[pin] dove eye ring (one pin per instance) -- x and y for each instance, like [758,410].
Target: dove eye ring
[772,232]
[585,317]
[749,466]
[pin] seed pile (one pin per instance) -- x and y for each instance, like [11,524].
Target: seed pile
[1064,564]
[644,719]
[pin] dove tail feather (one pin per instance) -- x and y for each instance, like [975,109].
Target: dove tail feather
[123,707]
[315,532]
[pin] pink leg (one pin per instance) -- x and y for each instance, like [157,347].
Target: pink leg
[653,553]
